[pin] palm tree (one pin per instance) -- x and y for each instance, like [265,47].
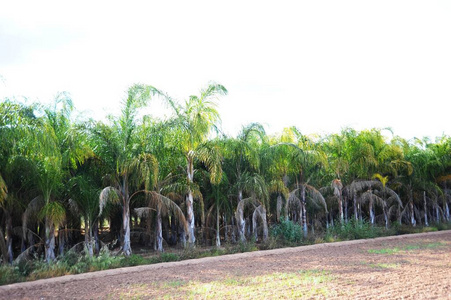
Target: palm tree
[128,168]
[84,202]
[193,124]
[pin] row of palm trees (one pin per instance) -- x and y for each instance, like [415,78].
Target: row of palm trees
[156,181]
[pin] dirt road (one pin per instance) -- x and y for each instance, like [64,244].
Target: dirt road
[402,267]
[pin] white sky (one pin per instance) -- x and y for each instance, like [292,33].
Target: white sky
[317,65]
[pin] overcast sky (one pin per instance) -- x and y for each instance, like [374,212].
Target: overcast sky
[317,65]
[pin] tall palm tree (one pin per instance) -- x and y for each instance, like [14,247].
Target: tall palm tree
[193,123]
[128,168]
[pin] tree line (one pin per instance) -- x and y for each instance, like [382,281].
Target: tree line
[133,178]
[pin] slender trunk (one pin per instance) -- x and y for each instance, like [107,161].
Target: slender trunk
[412,214]
[88,238]
[202,220]
[233,230]
[346,209]
[49,240]
[218,237]
[384,209]
[340,208]
[126,246]
[447,215]
[304,212]
[9,237]
[241,222]
[159,230]
[190,218]
[371,211]
[254,225]
[190,203]
[426,223]
[356,214]
[226,228]
[437,213]
[62,239]
[95,232]
[260,212]
[279,208]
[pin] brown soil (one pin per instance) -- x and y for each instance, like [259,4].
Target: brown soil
[403,267]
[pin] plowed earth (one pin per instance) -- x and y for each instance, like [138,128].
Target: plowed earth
[403,267]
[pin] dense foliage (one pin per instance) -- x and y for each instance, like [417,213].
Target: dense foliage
[69,183]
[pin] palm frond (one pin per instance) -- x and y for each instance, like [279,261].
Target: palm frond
[32,210]
[55,212]
[3,190]
[108,194]
[316,196]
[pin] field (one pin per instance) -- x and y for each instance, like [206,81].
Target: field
[412,266]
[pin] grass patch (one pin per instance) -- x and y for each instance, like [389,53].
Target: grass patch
[407,248]
[305,284]
[384,266]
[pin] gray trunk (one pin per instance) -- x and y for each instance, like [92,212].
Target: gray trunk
[413,222]
[371,211]
[9,237]
[426,223]
[89,239]
[241,222]
[159,230]
[356,214]
[447,215]
[385,216]
[126,246]
[279,208]
[233,231]
[304,212]
[190,218]
[218,237]
[49,241]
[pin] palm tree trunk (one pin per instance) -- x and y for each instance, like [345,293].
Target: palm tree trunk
[49,241]
[446,209]
[371,211]
[356,214]
[190,203]
[233,231]
[126,246]
[241,222]
[202,220]
[9,237]
[304,212]
[437,213]
[384,209]
[95,230]
[190,218]
[159,230]
[426,223]
[340,208]
[412,214]
[345,200]
[88,238]
[218,238]
[279,208]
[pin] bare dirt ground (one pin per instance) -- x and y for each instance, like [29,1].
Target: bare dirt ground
[402,267]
